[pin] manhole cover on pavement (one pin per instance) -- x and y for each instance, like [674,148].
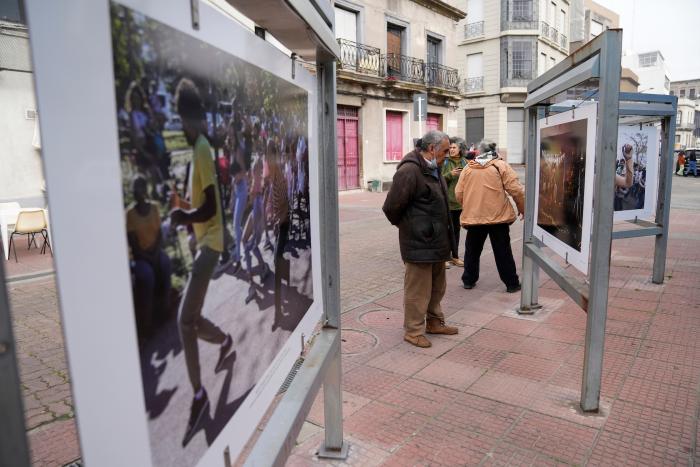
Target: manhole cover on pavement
[354,341]
[383,319]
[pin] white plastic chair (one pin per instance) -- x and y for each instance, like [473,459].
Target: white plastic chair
[31,223]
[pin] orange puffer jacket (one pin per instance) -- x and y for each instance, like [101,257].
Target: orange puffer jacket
[483,192]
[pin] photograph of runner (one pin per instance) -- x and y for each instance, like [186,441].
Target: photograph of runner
[215,174]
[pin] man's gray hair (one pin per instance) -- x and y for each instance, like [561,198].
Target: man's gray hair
[431,137]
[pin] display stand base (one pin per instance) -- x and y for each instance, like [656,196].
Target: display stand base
[528,310]
[341,454]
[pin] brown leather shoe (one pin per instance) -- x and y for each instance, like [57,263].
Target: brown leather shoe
[438,327]
[418,341]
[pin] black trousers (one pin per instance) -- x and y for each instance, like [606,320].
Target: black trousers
[500,241]
[456,227]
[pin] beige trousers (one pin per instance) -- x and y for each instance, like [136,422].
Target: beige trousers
[424,287]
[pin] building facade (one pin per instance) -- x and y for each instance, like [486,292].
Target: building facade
[588,20]
[21,172]
[391,51]
[650,69]
[504,45]
[688,115]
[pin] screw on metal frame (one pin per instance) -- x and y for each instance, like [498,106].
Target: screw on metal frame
[194,8]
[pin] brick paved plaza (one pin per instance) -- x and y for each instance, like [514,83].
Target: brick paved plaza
[504,391]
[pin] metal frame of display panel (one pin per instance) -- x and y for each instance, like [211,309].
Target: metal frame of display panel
[601,59]
[321,366]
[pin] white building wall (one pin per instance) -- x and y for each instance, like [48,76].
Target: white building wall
[652,79]
[21,176]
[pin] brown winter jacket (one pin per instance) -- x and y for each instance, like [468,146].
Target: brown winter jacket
[483,192]
[417,204]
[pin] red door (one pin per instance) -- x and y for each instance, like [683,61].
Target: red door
[433,122]
[348,154]
[394,136]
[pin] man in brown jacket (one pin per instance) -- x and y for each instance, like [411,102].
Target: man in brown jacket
[417,204]
[483,189]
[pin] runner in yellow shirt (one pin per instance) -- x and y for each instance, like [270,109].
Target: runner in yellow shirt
[205,217]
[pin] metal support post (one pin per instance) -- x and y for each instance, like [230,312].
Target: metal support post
[663,204]
[333,446]
[530,270]
[14,449]
[606,149]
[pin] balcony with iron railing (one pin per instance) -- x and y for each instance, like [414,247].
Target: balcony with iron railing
[473,30]
[359,58]
[474,84]
[555,37]
[396,67]
[441,76]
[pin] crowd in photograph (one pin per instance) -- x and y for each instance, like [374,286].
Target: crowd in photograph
[260,160]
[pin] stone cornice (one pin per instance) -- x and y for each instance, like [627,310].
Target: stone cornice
[443,8]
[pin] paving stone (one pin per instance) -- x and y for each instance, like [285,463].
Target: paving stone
[506,388]
[450,374]
[563,440]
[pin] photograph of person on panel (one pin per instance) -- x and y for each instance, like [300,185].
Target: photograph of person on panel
[562,181]
[631,167]
[215,174]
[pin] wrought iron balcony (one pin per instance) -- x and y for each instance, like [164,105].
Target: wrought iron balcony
[359,57]
[551,34]
[564,42]
[441,76]
[474,84]
[472,30]
[554,35]
[403,68]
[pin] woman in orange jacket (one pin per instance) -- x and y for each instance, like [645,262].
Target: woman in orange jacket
[483,189]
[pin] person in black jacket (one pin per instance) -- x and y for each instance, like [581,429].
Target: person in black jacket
[417,204]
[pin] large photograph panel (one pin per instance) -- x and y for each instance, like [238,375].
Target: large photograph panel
[636,171]
[215,174]
[564,180]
